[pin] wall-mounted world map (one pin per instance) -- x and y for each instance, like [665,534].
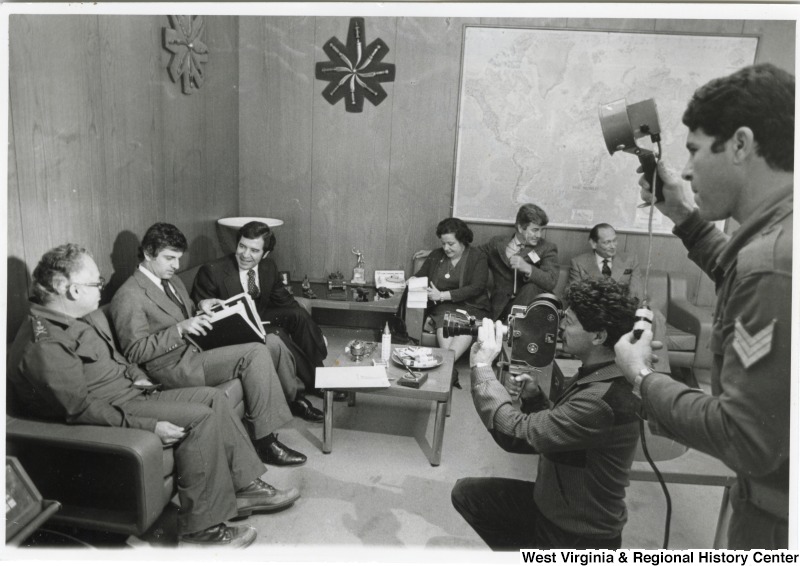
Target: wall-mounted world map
[528,128]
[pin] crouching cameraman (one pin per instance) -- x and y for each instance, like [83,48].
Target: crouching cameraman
[585,440]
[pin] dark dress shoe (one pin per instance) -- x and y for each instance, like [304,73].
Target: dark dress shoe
[260,496]
[337,395]
[220,535]
[454,381]
[273,452]
[302,407]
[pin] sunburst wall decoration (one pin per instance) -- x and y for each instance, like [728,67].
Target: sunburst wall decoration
[355,72]
[185,41]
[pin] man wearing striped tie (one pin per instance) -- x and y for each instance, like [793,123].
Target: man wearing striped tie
[250,268]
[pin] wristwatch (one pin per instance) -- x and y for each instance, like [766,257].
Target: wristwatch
[637,381]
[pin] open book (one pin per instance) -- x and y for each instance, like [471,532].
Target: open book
[417,293]
[235,321]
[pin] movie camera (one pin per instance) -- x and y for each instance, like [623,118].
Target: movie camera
[530,336]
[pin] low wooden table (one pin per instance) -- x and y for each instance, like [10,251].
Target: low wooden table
[438,387]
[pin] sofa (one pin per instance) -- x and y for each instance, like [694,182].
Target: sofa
[110,479]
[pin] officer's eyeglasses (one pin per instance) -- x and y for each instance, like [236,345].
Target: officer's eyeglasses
[100,284]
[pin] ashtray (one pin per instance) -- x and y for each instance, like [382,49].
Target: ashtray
[413,379]
[358,349]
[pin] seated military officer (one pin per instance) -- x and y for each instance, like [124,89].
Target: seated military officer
[65,367]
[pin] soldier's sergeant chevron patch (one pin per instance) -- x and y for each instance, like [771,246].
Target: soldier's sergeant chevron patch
[752,347]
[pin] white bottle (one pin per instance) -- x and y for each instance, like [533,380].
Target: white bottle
[386,344]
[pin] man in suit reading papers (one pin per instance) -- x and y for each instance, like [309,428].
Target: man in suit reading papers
[152,311]
[252,269]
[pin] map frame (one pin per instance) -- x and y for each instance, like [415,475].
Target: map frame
[623,164]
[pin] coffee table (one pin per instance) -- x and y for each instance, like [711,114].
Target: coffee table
[437,388]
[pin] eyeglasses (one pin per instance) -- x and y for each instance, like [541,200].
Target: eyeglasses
[100,284]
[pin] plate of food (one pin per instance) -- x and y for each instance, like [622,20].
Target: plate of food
[416,357]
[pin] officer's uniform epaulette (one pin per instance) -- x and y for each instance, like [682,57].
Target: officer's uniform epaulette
[39,328]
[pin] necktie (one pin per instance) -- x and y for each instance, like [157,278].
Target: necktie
[512,248]
[606,269]
[172,297]
[252,289]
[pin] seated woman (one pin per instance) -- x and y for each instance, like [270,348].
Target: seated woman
[457,276]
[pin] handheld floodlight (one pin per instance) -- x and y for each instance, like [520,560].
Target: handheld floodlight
[624,123]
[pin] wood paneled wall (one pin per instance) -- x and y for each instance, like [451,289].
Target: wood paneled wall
[382,179]
[103,143]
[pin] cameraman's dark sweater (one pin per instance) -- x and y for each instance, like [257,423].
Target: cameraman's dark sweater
[586,442]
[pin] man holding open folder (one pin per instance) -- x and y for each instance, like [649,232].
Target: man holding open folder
[152,313]
[251,269]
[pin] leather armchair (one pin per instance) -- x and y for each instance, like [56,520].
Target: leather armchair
[110,479]
[690,335]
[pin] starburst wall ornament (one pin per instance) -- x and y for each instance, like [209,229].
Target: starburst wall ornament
[355,72]
[185,41]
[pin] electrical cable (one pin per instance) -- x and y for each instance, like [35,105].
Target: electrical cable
[644,304]
[650,225]
[660,480]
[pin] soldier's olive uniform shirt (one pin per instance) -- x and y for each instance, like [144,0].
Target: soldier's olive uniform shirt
[747,424]
[61,369]
[65,369]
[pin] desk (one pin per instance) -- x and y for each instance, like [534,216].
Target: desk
[347,312]
[437,388]
[323,300]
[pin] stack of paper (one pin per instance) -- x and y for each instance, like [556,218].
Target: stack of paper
[351,377]
[417,293]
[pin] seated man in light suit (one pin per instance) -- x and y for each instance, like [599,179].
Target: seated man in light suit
[526,256]
[64,366]
[152,313]
[251,269]
[604,261]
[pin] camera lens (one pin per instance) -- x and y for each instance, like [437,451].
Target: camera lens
[457,325]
